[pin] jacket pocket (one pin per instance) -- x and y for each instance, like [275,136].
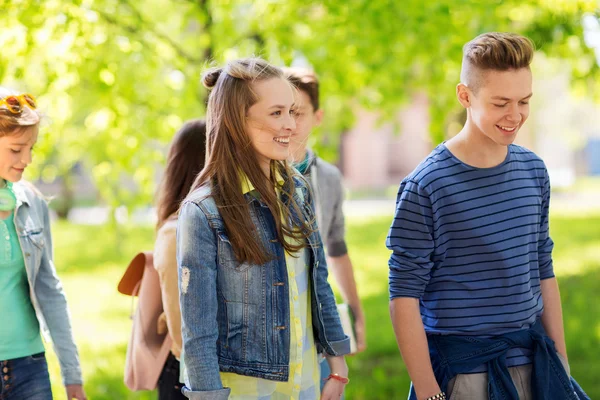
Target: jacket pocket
[32,246]
[36,237]
[226,256]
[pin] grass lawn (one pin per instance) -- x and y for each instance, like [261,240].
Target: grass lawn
[90,267]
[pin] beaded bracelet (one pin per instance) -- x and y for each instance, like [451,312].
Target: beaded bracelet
[338,378]
[439,396]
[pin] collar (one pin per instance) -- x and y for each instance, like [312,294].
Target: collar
[20,194]
[248,187]
[312,161]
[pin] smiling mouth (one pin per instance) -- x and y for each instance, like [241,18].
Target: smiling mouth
[507,129]
[282,140]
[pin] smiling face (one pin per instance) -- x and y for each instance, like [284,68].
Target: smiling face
[500,106]
[15,153]
[270,122]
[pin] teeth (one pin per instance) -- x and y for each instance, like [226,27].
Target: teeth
[282,140]
[506,128]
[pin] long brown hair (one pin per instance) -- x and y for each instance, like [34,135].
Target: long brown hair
[184,161]
[229,157]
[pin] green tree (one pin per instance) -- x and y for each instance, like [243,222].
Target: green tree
[118,77]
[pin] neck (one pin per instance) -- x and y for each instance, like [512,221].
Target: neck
[3,183]
[472,147]
[265,166]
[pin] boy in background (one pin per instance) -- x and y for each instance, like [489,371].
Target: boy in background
[326,184]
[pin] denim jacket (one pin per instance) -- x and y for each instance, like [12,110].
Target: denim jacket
[452,355]
[32,224]
[236,317]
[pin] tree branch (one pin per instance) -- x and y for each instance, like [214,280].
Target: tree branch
[147,26]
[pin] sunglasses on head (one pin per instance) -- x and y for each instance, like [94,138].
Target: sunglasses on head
[15,104]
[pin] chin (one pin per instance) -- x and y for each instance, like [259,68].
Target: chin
[14,179]
[281,157]
[505,141]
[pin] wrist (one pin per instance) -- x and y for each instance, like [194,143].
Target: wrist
[356,309]
[341,370]
[429,391]
[337,365]
[339,378]
[431,395]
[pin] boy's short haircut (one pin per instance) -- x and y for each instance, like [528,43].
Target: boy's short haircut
[494,51]
[305,80]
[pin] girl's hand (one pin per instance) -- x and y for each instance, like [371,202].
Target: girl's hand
[333,390]
[75,392]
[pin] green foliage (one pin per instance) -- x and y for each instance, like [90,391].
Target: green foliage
[118,77]
[101,316]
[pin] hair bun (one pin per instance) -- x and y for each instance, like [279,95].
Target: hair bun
[210,77]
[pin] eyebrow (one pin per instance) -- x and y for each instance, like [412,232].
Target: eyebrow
[279,106]
[21,143]
[509,99]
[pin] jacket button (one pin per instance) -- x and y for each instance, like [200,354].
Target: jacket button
[27,254]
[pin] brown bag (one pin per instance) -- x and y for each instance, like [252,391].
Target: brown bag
[147,350]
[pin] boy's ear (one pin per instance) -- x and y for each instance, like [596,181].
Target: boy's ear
[319,116]
[463,93]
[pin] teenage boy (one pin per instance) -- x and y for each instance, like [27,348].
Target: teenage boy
[326,184]
[473,297]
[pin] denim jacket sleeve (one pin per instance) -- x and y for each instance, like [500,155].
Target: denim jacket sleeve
[197,268]
[339,343]
[336,342]
[53,304]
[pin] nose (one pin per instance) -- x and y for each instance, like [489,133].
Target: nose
[26,159]
[290,123]
[514,114]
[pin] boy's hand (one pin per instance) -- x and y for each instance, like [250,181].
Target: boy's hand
[75,392]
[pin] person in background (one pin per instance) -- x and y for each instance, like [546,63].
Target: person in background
[326,183]
[184,161]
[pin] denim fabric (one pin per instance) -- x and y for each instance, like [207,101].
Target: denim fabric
[452,355]
[235,316]
[169,387]
[32,223]
[25,378]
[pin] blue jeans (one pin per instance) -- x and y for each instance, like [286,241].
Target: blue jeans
[25,378]
[325,371]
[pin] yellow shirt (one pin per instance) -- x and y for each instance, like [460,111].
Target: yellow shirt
[304,374]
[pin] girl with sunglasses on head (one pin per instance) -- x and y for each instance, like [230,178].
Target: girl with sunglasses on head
[256,306]
[31,295]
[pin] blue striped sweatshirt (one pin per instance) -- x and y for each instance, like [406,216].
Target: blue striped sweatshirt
[473,244]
